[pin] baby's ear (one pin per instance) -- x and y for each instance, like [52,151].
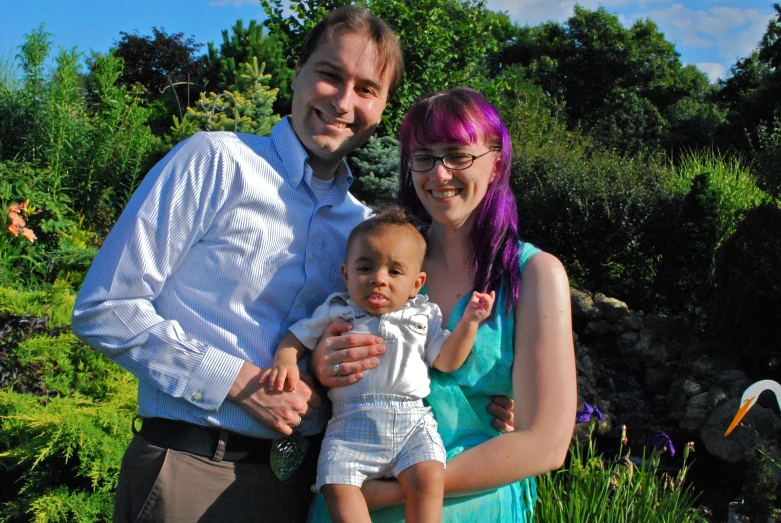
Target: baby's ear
[344,272]
[419,281]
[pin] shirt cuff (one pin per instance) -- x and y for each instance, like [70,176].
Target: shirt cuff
[209,386]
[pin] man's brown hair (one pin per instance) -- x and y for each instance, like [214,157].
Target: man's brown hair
[362,21]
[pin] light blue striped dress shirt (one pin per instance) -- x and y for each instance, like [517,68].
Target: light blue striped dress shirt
[222,247]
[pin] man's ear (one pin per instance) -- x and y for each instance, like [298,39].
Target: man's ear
[419,281]
[344,272]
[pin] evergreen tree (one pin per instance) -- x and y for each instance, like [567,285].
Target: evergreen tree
[224,66]
[248,108]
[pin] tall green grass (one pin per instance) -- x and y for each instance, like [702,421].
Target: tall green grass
[594,489]
[730,177]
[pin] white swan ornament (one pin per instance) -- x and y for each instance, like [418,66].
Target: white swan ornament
[750,398]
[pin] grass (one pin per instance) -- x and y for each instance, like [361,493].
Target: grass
[592,488]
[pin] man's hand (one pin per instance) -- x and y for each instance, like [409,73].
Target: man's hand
[353,353]
[503,409]
[281,411]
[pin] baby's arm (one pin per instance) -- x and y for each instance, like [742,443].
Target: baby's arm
[458,345]
[283,375]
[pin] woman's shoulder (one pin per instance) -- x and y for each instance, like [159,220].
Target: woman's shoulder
[537,264]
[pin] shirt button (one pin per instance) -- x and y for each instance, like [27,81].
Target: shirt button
[311,258]
[197,396]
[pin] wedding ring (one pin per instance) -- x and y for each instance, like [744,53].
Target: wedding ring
[297,424]
[338,369]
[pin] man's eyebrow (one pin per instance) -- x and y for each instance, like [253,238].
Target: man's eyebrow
[371,82]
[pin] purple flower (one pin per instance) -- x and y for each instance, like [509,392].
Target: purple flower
[584,416]
[663,442]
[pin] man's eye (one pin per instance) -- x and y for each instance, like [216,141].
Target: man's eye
[330,75]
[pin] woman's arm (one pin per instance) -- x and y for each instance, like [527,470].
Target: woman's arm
[544,387]
[545,391]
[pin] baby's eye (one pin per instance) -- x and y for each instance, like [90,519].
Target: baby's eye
[396,272]
[363,268]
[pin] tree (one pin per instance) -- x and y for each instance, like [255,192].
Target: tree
[224,66]
[246,109]
[619,84]
[750,93]
[167,66]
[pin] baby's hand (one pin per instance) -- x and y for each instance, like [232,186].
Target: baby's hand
[283,376]
[479,307]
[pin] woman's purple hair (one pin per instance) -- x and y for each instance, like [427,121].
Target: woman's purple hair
[458,116]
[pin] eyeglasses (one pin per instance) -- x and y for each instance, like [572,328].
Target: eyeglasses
[453,161]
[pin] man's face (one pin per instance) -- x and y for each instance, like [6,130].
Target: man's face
[338,99]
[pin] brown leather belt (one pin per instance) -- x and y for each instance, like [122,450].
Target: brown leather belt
[213,443]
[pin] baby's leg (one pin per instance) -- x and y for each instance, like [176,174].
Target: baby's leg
[346,504]
[424,488]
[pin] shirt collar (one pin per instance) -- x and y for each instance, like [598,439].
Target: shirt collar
[296,166]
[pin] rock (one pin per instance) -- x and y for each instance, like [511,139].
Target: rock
[581,305]
[716,396]
[692,388]
[612,310]
[633,322]
[677,397]
[656,380]
[728,377]
[693,420]
[654,355]
[737,388]
[597,327]
[627,341]
[698,402]
[704,367]
[759,425]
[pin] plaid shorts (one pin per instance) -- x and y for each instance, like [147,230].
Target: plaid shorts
[376,436]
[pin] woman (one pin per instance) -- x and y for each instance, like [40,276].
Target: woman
[455,169]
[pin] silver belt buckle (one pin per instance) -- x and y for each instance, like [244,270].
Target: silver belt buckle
[287,454]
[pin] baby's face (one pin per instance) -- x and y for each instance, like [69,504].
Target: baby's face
[383,270]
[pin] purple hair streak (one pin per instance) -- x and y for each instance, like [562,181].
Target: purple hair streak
[458,116]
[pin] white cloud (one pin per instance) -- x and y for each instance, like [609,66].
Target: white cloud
[223,3]
[713,70]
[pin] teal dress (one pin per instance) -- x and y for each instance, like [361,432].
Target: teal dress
[459,400]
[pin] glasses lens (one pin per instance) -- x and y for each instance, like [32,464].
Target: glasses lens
[422,163]
[458,160]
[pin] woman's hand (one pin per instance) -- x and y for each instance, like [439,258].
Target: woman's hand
[503,410]
[340,360]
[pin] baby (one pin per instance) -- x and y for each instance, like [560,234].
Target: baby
[380,424]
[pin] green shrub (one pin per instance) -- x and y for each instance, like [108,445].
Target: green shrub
[746,311]
[591,212]
[683,233]
[767,160]
[62,440]
[591,488]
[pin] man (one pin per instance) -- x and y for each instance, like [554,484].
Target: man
[228,241]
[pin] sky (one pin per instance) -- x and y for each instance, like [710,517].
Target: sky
[712,34]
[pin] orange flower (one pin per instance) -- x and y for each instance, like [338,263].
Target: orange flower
[13,229]
[16,220]
[29,234]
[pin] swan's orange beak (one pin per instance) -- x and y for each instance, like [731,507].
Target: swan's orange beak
[739,416]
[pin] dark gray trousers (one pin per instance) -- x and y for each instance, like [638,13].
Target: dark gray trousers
[164,485]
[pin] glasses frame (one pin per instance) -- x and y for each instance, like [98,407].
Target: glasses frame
[442,159]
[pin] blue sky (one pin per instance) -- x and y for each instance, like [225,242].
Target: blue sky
[712,34]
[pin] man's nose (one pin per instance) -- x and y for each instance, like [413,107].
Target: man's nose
[343,99]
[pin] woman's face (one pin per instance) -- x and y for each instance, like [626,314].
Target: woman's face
[450,196]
